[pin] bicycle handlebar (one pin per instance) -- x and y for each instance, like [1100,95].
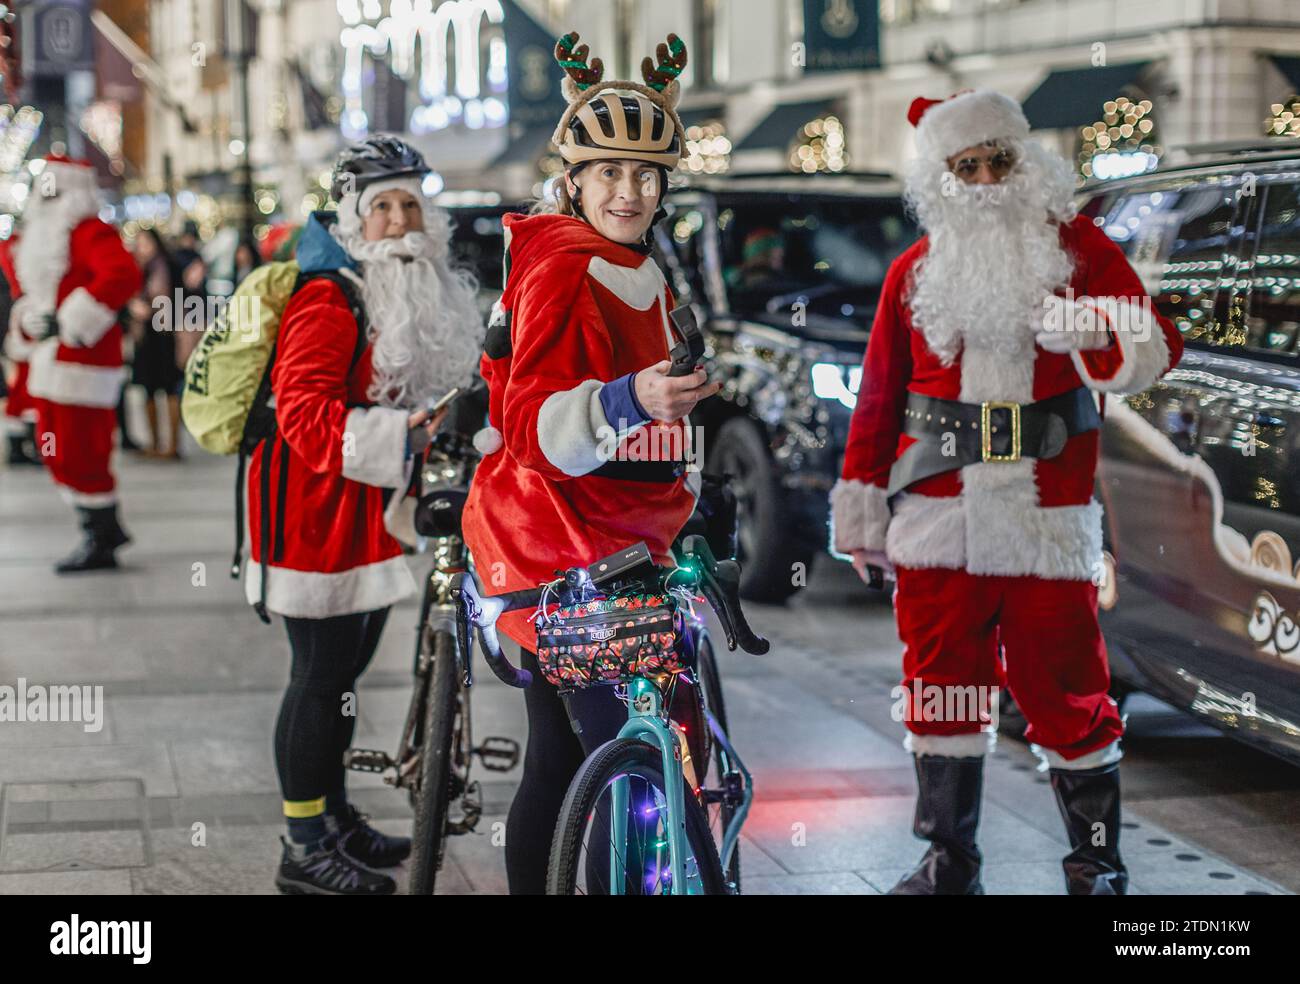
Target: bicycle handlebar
[718,581]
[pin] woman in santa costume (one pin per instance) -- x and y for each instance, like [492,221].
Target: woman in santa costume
[380,327]
[71,275]
[578,353]
[969,471]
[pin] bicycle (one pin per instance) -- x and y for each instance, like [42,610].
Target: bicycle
[653,838]
[436,745]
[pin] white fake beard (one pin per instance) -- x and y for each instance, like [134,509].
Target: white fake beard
[41,257]
[994,252]
[423,317]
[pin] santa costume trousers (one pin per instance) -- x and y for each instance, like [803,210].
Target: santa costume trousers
[1037,637]
[76,444]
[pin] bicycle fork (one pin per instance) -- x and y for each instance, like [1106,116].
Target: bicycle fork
[644,723]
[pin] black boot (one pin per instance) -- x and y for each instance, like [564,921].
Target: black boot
[1089,802]
[19,453]
[363,843]
[103,534]
[947,815]
[326,870]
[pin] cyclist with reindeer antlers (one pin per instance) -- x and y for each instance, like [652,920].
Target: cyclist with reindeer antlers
[576,361]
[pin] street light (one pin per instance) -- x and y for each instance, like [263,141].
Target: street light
[239,53]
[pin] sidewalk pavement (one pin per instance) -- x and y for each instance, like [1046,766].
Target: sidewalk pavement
[177,792]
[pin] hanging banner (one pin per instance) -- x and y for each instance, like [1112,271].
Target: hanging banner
[534,76]
[841,35]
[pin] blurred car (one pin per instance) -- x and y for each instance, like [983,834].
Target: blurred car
[1200,474]
[478,244]
[784,272]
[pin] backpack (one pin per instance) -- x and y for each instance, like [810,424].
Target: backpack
[227,403]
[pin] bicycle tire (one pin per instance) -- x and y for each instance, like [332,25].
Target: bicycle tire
[430,832]
[610,760]
[706,665]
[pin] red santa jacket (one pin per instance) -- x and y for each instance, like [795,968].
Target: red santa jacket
[1028,517]
[586,315]
[329,465]
[82,366]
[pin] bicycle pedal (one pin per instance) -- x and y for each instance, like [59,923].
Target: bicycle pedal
[367,760]
[471,807]
[498,754]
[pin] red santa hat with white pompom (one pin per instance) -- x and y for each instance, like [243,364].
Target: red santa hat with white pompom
[965,119]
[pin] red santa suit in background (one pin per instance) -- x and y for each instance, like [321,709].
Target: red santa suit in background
[72,276]
[19,421]
[970,467]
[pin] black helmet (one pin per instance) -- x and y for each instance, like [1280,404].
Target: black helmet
[376,158]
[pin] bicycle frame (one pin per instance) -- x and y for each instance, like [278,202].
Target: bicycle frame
[646,722]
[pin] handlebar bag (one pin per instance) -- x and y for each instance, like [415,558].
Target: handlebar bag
[609,640]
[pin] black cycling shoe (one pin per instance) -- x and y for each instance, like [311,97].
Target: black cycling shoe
[364,843]
[327,871]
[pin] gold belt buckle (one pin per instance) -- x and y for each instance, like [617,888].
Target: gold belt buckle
[986,431]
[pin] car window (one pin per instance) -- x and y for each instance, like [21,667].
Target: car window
[1181,240]
[685,228]
[1272,315]
[831,254]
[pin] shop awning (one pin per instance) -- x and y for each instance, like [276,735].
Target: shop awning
[1289,65]
[1074,96]
[699,115]
[778,128]
[525,148]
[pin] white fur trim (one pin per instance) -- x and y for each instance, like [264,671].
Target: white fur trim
[996,531]
[87,500]
[72,383]
[1142,346]
[374,447]
[571,429]
[13,426]
[312,594]
[859,517]
[18,347]
[637,287]
[952,746]
[83,320]
[488,440]
[1049,758]
[967,120]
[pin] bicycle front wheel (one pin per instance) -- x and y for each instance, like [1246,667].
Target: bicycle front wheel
[622,784]
[442,705]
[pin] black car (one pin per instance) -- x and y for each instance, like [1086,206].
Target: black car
[1200,474]
[785,272]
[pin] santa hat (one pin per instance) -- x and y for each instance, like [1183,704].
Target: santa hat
[965,119]
[355,204]
[73,181]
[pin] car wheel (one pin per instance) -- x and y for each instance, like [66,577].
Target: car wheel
[768,554]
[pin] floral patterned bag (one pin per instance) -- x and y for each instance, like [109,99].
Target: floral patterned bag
[609,640]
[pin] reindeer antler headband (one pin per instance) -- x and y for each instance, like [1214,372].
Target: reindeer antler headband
[584,81]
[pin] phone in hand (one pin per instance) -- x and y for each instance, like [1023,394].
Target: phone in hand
[687,353]
[433,408]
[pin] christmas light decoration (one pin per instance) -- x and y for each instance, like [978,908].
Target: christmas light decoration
[708,151]
[1285,118]
[1121,143]
[820,146]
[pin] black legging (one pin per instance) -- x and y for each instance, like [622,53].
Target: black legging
[312,731]
[550,762]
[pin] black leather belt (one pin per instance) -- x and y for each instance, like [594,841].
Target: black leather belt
[642,471]
[950,434]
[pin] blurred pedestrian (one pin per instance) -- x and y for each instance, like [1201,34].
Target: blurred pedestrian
[154,321]
[247,260]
